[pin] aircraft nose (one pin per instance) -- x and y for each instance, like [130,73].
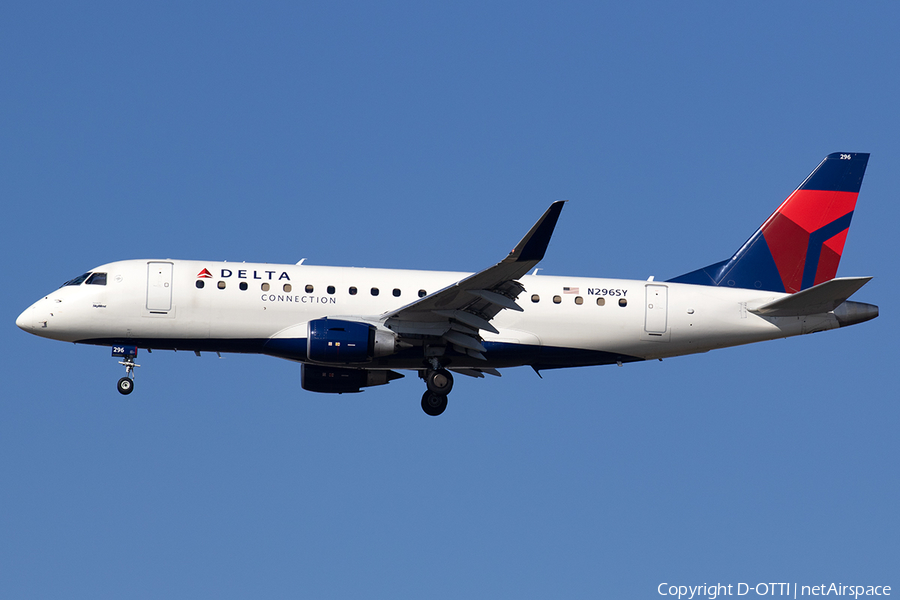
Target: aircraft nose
[25,322]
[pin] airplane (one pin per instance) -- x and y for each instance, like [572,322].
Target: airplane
[352,328]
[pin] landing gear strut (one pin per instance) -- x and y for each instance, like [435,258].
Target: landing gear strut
[128,353]
[439,382]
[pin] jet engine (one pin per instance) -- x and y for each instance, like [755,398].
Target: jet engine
[337,380]
[334,341]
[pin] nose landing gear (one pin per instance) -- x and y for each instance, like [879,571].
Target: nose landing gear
[128,353]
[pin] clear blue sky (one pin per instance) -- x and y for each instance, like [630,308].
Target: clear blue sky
[406,135]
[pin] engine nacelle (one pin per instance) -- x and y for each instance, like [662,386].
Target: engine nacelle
[334,341]
[336,380]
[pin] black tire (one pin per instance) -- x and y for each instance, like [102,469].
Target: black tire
[125,386]
[433,404]
[439,382]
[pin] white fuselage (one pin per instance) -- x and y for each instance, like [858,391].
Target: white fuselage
[565,321]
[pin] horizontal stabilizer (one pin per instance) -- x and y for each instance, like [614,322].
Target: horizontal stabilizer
[821,298]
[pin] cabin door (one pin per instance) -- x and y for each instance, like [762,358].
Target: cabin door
[159,287]
[656,310]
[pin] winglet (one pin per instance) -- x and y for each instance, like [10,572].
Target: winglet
[533,246]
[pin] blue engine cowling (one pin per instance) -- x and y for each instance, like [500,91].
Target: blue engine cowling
[337,380]
[334,341]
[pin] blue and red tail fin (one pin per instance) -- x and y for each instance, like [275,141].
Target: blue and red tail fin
[801,244]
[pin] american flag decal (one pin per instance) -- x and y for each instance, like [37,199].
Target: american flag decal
[570,290]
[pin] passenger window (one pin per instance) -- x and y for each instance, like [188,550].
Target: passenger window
[352,291]
[265,287]
[535,298]
[374,291]
[623,302]
[330,289]
[243,286]
[556,299]
[396,293]
[287,287]
[97,279]
[221,285]
[200,284]
[579,300]
[309,289]
[601,301]
[422,293]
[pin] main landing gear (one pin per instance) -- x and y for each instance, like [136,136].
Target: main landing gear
[439,382]
[128,353]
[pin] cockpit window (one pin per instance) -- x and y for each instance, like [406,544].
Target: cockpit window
[77,281]
[97,279]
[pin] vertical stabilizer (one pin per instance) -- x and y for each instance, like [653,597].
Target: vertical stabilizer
[801,244]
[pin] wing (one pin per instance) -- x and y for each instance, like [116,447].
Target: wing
[456,314]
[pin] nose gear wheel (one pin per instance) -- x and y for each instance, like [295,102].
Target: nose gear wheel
[125,386]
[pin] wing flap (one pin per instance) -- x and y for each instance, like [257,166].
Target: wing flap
[464,341]
[498,299]
[477,373]
[467,318]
